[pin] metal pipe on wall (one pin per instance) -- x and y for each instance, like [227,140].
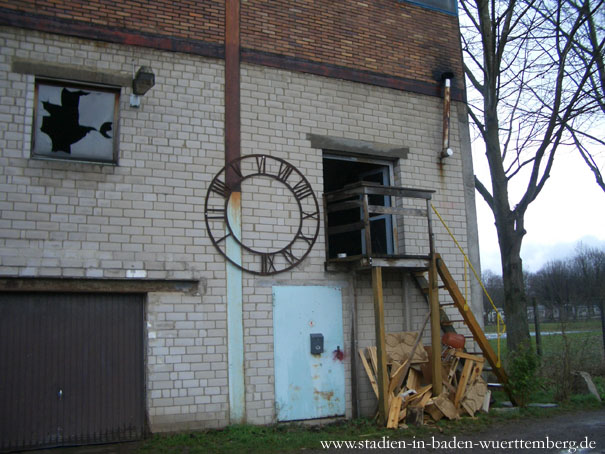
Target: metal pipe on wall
[234,278]
[232,91]
[446,150]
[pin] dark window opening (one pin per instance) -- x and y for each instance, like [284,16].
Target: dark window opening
[75,122]
[339,172]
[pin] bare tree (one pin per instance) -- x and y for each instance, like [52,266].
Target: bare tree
[529,94]
[590,268]
[493,285]
[555,286]
[589,50]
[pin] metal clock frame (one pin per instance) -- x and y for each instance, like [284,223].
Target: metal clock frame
[300,189]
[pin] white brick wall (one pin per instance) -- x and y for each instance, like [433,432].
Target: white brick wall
[87,220]
[186,362]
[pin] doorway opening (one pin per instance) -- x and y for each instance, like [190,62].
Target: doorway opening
[340,171]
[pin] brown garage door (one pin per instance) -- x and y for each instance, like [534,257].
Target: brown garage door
[71,369]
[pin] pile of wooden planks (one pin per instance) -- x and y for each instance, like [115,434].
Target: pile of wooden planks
[409,394]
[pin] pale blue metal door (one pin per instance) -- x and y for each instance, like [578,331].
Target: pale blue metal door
[308,385]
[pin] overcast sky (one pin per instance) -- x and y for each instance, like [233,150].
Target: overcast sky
[570,209]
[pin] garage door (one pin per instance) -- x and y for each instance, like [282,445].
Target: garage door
[71,369]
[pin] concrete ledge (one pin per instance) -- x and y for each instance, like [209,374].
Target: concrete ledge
[76,73]
[358,147]
[20,284]
[187,422]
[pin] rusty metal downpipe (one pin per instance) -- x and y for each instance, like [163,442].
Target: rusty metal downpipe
[232,92]
[446,150]
[234,282]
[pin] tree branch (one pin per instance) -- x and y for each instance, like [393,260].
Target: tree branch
[481,189]
[588,159]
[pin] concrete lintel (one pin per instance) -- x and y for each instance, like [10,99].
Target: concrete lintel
[34,284]
[358,147]
[75,73]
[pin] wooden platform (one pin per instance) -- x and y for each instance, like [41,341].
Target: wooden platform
[366,262]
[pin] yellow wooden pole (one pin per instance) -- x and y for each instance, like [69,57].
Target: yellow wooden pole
[382,375]
[435,326]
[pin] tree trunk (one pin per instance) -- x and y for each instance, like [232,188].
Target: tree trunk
[515,299]
[603,323]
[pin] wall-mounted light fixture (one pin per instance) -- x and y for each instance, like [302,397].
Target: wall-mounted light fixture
[446,151]
[142,82]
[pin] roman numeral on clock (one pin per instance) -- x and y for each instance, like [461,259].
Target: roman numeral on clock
[289,256]
[266,263]
[261,164]
[285,170]
[307,239]
[215,213]
[302,189]
[220,187]
[314,215]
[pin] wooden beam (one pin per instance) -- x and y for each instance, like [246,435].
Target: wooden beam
[382,375]
[398,376]
[354,226]
[413,381]
[401,374]
[464,377]
[364,187]
[477,371]
[373,357]
[393,422]
[344,206]
[413,263]
[415,398]
[378,189]
[435,326]
[471,322]
[410,212]
[464,355]
[368,370]
[368,234]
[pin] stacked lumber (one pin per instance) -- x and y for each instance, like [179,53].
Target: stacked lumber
[409,394]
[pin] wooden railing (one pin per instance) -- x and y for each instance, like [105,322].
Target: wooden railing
[358,196]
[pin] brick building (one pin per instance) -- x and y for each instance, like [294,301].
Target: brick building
[120,312]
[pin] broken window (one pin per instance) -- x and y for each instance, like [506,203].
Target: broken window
[340,171]
[75,122]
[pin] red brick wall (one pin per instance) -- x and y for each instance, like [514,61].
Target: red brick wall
[382,36]
[189,19]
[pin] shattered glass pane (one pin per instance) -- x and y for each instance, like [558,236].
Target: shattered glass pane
[74,123]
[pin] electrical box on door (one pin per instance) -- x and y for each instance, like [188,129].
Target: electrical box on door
[317,344]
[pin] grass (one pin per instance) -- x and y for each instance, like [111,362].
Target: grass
[275,438]
[286,438]
[590,325]
[586,346]
[600,384]
[585,353]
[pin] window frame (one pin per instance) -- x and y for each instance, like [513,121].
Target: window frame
[389,165]
[78,85]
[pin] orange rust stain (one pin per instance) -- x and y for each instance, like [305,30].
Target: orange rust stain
[327,395]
